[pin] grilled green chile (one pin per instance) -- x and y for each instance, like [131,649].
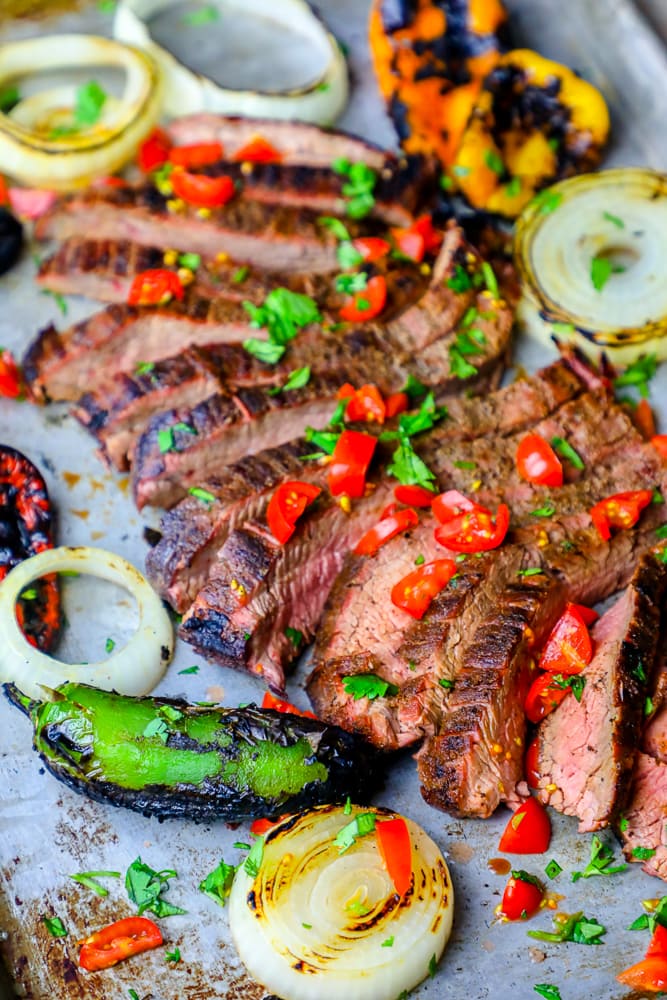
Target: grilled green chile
[164,757]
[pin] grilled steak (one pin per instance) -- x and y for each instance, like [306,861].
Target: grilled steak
[586,748]
[642,827]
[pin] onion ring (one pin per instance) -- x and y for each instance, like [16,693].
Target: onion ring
[133,670]
[320,101]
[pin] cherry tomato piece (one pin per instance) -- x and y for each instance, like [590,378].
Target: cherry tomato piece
[371,248]
[446,506]
[393,838]
[366,304]
[409,243]
[200,190]
[118,941]
[415,592]
[154,151]
[201,154]
[658,942]
[281,705]
[11,382]
[396,403]
[155,287]
[349,463]
[386,528]
[522,897]
[365,404]
[528,830]
[587,615]
[544,694]
[649,975]
[569,648]
[659,441]
[475,531]
[531,767]
[257,150]
[432,237]
[537,462]
[414,496]
[621,510]
[286,507]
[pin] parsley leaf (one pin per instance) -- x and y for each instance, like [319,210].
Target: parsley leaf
[490,280]
[368,686]
[530,571]
[642,853]
[349,284]
[190,260]
[553,869]
[336,227]
[459,366]
[548,510]
[240,274]
[574,681]
[460,281]
[218,883]
[9,98]
[494,162]
[565,449]
[294,635]
[145,887]
[55,926]
[326,440]
[264,350]
[201,494]
[348,256]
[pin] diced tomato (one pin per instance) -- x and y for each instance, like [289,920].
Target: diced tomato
[365,404]
[389,511]
[371,248]
[155,287]
[281,705]
[409,243]
[386,528]
[286,507]
[432,237]
[368,303]
[528,830]
[393,838]
[659,441]
[649,975]
[446,506]
[198,189]
[349,463]
[30,203]
[4,191]
[544,694]
[643,419]
[118,941]
[537,462]
[475,531]
[587,615]
[415,592]
[658,942]
[522,897]
[154,151]
[569,648]
[11,382]
[201,154]
[396,403]
[621,510]
[414,496]
[259,827]
[257,150]
[531,763]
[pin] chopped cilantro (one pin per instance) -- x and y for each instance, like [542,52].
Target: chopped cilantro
[360,826]
[575,682]
[460,281]
[240,845]
[420,560]
[55,926]
[648,706]
[531,571]
[548,991]
[657,915]
[252,863]
[264,350]
[30,594]
[490,279]
[432,966]
[414,388]
[408,467]
[368,686]
[614,219]
[349,284]
[388,942]
[639,374]
[133,995]
[107,6]
[57,298]
[145,887]
[553,869]
[189,260]
[109,645]
[9,98]
[576,927]
[173,956]
[348,256]
[240,274]
[294,635]
[295,380]
[204,15]
[513,187]
[144,367]
[326,440]
[358,188]
[201,494]
[307,926]
[336,227]
[189,670]
[547,201]
[89,879]
[661,532]
[282,314]
[548,510]
[643,853]
[446,683]
[565,329]
[464,465]
[157,727]
[494,162]
[347,808]
[602,270]
[602,856]
[218,884]
[90,100]
[565,449]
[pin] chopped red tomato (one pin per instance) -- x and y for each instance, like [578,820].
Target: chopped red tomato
[528,830]
[388,527]
[522,897]
[349,463]
[11,383]
[432,237]
[419,239]
[257,150]
[118,941]
[259,827]
[415,592]
[587,615]
[286,507]
[30,203]
[393,838]
[4,191]
[371,248]
[544,694]
[475,531]
[621,510]
[155,287]
[537,462]
[413,496]
[364,404]
[281,705]
[643,419]
[396,403]
[446,506]
[658,942]
[368,303]
[531,767]
[648,976]
[154,151]
[201,154]
[198,189]
[569,648]
[659,441]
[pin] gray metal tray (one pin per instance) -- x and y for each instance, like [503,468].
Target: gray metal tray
[47,832]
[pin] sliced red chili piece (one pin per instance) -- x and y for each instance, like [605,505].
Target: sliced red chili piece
[371,247]
[621,510]
[368,303]
[198,189]
[648,976]
[364,404]
[154,151]
[658,942]
[393,838]
[386,528]
[446,506]
[258,150]
[415,592]
[11,382]
[659,441]
[349,463]
[413,496]
[118,941]
[281,705]
[528,830]
[476,531]
[568,648]
[537,462]
[286,507]
[155,287]
[531,766]
[201,154]
[522,897]
[397,403]
[544,694]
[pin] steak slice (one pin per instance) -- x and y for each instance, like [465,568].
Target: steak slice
[643,825]
[586,748]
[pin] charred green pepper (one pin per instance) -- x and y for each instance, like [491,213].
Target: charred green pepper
[165,757]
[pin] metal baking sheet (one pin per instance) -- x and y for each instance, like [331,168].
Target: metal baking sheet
[47,832]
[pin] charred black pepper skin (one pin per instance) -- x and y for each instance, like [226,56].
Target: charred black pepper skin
[11,240]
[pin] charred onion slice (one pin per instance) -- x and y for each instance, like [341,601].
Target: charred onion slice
[134,670]
[617,218]
[36,154]
[316,919]
[320,101]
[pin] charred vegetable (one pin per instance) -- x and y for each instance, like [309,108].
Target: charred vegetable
[25,530]
[11,240]
[167,758]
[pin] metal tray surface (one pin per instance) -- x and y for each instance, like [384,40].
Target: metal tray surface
[48,832]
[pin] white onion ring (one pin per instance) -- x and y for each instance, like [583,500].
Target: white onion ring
[320,101]
[29,155]
[133,670]
[303,879]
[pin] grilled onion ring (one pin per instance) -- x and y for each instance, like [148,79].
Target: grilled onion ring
[320,101]
[134,670]
[312,923]
[620,215]
[34,157]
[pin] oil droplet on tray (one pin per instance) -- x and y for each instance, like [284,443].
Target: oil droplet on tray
[499,866]
[71,478]
[461,852]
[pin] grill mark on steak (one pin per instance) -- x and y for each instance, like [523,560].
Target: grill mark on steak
[587,747]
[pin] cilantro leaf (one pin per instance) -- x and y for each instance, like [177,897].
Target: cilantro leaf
[336,227]
[601,271]
[368,686]
[189,670]
[201,494]
[218,883]
[459,366]
[349,284]
[264,350]
[614,219]
[409,468]
[295,380]
[639,374]
[189,260]
[576,927]
[548,991]
[326,440]
[9,98]
[252,863]
[494,162]
[145,886]
[173,956]
[642,853]
[294,635]
[240,274]
[90,100]
[348,256]
[55,926]
[547,201]
[460,281]
[204,15]
[283,313]
[548,510]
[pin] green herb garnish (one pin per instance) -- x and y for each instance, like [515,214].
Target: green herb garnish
[602,856]
[252,863]
[218,884]
[145,887]
[9,98]
[190,260]
[55,926]
[189,670]
[201,494]
[90,100]
[548,510]
[368,686]
[358,188]
[553,869]
[639,374]
[547,201]
[565,449]
[494,162]
[89,879]
[531,571]
[548,991]
[602,270]
[614,219]
[360,826]
[205,15]
[576,927]
[294,635]
[173,956]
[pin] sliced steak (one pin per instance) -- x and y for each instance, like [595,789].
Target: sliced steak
[587,747]
[643,825]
